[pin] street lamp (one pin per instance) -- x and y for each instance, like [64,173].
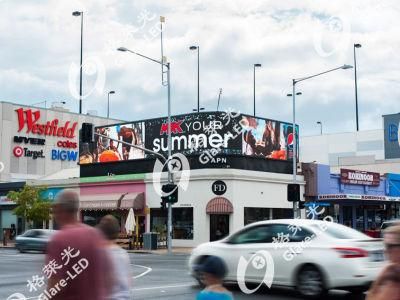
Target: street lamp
[77,14]
[170,179]
[294,158]
[320,124]
[108,103]
[254,86]
[197,110]
[198,74]
[355,81]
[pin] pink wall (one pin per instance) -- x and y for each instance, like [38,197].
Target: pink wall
[112,187]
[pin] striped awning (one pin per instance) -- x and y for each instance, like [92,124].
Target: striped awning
[219,205]
[112,201]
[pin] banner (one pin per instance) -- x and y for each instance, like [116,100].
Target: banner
[207,134]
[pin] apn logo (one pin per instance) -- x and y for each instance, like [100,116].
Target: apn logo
[175,127]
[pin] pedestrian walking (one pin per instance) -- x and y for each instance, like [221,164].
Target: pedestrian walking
[121,275]
[77,265]
[387,285]
[213,271]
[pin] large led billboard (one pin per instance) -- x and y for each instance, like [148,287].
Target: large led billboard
[204,134]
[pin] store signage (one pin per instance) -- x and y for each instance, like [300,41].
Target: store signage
[64,155]
[30,120]
[391,135]
[218,187]
[359,177]
[356,197]
[67,144]
[19,152]
[29,140]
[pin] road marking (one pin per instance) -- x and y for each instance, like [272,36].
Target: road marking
[164,287]
[142,274]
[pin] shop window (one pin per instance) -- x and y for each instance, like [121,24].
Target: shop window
[282,213]
[255,214]
[182,222]
[360,218]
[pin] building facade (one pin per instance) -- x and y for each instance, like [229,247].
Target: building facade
[36,143]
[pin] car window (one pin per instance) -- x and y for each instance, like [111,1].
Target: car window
[338,231]
[256,234]
[31,233]
[271,233]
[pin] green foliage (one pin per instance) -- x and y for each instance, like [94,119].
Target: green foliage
[31,206]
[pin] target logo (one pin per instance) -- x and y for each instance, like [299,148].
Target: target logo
[18,151]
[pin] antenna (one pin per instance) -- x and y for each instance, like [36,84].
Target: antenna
[219,97]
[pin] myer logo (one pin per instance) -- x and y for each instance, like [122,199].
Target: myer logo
[28,140]
[30,119]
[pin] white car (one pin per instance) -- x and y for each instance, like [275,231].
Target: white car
[312,256]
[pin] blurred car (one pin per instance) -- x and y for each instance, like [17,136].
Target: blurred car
[318,257]
[33,240]
[389,223]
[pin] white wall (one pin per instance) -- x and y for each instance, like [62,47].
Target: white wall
[244,189]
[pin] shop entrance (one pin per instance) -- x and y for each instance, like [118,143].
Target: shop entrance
[219,226]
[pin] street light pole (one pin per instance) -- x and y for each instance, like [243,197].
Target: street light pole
[198,74]
[254,87]
[108,103]
[355,82]
[320,124]
[296,212]
[170,178]
[77,14]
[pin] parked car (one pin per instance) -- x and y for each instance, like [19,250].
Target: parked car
[318,257]
[33,239]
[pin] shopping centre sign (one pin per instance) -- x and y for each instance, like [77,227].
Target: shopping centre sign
[359,177]
[391,124]
[30,120]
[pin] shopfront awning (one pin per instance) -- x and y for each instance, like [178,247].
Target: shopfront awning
[112,201]
[219,205]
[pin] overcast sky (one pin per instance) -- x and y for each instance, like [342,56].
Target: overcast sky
[40,48]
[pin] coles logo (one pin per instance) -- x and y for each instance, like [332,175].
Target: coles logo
[66,144]
[175,127]
[18,151]
[29,119]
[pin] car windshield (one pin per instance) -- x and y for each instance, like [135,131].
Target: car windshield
[338,231]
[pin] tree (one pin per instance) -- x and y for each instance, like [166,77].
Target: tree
[31,206]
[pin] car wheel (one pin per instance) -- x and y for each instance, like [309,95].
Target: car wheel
[310,282]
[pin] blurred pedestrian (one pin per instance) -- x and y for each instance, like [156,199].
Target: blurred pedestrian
[213,271]
[77,265]
[387,285]
[121,278]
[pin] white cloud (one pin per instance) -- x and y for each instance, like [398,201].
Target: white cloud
[41,39]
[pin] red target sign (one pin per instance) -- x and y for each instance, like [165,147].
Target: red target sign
[18,151]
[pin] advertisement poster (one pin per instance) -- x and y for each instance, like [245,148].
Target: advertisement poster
[234,134]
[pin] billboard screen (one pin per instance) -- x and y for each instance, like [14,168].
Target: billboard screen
[198,133]
[391,127]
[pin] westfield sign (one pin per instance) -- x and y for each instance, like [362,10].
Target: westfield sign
[30,120]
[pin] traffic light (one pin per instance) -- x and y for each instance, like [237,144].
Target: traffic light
[163,205]
[293,192]
[170,192]
[87,133]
